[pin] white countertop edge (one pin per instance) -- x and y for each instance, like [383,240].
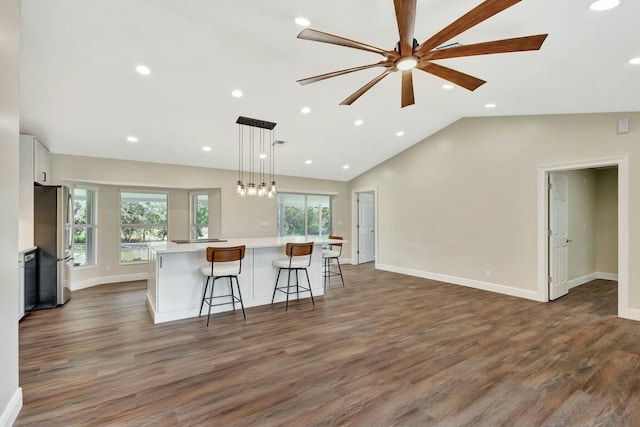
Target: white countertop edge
[249,242]
[24,251]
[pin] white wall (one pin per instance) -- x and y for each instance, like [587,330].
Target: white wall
[607,222]
[464,200]
[239,217]
[10,393]
[582,222]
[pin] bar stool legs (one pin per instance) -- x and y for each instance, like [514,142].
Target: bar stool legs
[209,300]
[328,256]
[223,262]
[298,258]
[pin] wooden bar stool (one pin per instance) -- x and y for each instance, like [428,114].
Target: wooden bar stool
[298,258]
[222,262]
[328,256]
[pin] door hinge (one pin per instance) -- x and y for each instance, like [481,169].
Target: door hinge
[358,252]
[549,279]
[550,186]
[550,233]
[160,262]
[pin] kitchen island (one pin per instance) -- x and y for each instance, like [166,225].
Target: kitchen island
[175,284]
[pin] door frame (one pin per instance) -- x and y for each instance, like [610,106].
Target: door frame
[355,238]
[623,225]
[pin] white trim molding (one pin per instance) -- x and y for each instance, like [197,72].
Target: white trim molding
[461,281]
[579,281]
[355,238]
[10,413]
[622,163]
[75,286]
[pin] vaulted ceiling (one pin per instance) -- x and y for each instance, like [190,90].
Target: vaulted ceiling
[81,94]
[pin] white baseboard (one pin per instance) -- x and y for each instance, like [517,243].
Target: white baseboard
[589,277]
[608,276]
[107,279]
[11,411]
[477,284]
[632,314]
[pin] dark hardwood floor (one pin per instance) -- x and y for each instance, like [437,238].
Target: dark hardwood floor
[385,350]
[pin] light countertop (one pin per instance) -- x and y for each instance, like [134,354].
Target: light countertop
[249,242]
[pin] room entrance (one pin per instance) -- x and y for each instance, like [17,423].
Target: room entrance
[584,227]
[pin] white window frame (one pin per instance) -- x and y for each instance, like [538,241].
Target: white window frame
[193,212]
[92,223]
[306,206]
[142,225]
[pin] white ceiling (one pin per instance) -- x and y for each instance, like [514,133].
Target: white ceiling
[81,94]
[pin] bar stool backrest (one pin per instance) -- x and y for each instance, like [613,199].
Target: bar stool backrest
[228,254]
[331,245]
[299,250]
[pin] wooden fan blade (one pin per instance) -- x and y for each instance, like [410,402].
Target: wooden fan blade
[475,16]
[357,94]
[319,36]
[341,72]
[461,79]
[407,88]
[519,44]
[406,17]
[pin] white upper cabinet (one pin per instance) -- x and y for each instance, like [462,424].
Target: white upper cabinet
[41,168]
[34,160]
[34,167]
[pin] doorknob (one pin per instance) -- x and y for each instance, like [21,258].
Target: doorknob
[569,240]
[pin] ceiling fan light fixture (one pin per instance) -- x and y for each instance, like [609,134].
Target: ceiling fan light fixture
[407,63]
[600,5]
[635,61]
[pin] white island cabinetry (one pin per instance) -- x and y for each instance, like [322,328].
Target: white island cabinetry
[175,284]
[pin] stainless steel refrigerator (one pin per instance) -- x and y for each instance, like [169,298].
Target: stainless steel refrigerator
[52,232]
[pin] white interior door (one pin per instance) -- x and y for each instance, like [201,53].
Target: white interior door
[366,231]
[558,235]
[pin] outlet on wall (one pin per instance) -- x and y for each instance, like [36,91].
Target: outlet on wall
[487,274]
[107,267]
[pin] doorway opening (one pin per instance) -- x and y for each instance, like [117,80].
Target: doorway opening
[364,233]
[583,227]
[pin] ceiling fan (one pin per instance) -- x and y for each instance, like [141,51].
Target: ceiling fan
[408,54]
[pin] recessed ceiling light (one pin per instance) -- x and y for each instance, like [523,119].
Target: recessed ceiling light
[600,5]
[132,138]
[236,93]
[303,22]
[308,162]
[262,156]
[305,110]
[635,61]
[345,167]
[206,148]
[358,122]
[447,86]
[400,133]
[143,69]
[490,105]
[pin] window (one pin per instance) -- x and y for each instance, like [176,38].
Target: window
[84,227]
[143,222]
[304,215]
[199,216]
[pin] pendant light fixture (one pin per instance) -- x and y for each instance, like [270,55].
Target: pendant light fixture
[254,137]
